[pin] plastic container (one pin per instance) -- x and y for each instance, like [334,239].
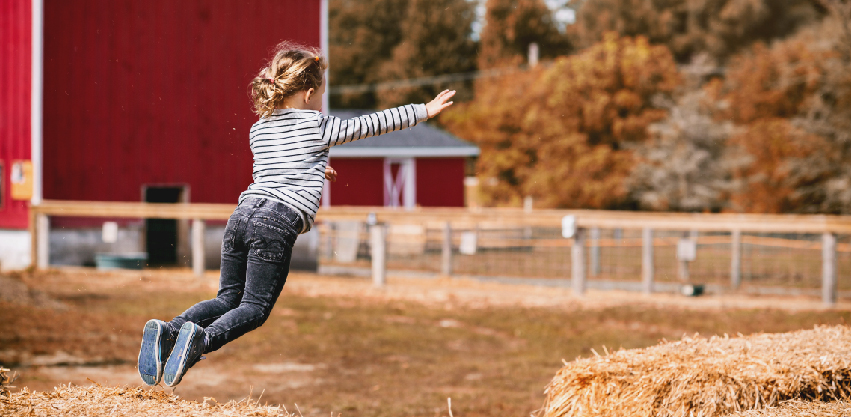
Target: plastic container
[121,260]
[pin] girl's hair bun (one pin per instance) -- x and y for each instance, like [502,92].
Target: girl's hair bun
[293,68]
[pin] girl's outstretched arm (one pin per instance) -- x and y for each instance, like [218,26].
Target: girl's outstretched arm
[336,131]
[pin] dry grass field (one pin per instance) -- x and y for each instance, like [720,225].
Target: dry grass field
[337,345]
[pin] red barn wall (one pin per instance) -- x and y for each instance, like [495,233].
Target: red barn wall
[360,182]
[440,182]
[15,82]
[155,92]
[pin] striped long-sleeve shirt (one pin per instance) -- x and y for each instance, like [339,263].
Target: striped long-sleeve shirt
[291,146]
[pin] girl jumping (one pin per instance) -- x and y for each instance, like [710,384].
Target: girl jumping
[290,144]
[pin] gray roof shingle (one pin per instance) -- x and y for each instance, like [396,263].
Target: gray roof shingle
[422,140]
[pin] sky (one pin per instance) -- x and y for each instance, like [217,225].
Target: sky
[564,15]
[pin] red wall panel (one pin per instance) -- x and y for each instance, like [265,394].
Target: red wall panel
[360,182]
[155,92]
[440,182]
[15,81]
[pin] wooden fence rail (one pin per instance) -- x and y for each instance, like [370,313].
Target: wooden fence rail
[587,223]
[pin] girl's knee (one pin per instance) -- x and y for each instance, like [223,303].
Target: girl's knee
[259,313]
[231,301]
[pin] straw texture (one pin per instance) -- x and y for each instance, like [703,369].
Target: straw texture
[706,377]
[5,380]
[113,401]
[796,408]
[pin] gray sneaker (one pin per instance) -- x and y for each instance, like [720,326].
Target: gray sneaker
[157,342]
[186,353]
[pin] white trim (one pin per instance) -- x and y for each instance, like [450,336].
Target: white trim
[401,190]
[409,193]
[325,199]
[323,40]
[36,97]
[370,152]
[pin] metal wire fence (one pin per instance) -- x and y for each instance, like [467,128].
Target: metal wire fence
[782,260]
[646,251]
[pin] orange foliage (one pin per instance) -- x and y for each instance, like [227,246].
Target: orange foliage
[765,90]
[558,133]
[771,183]
[773,82]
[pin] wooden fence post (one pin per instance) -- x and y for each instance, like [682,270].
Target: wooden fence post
[577,262]
[446,261]
[828,269]
[198,228]
[736,259]
[647,260]
[43,236]
[595,251]
[682,263]
[378,249]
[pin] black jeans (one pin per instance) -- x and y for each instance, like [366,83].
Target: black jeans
[256,252]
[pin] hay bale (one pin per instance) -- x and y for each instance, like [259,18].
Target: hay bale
[706,377]
[5,380]
[114,401]
[796,408]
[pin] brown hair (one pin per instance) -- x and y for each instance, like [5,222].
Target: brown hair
[294,68]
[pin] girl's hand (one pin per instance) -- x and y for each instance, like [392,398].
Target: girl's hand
[434,107]
[330,174]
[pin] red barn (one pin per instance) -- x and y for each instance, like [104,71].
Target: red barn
[422,166]
[122,100]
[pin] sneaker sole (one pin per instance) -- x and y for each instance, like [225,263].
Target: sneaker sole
[150,366]
[176,364]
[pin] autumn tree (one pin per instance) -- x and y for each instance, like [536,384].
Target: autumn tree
[719,28]
[362,37]
[791,101]
[558,134]
[435,40]
[511,25]
[686,164]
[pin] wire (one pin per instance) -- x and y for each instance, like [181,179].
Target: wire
[419,82]
[464,76]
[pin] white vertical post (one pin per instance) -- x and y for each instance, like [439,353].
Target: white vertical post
[409,191]
[647,260]
[378,249]
[43,239]
[326,193]
[446,261]
[37,100]
[198,227]
[736,259]
[533,54]
[577,262]
[682,263]
[828,271]
[595,251]
[323,40]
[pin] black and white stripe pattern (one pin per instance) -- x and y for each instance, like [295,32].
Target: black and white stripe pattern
[291,146]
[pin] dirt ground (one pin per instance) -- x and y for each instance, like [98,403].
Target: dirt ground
[339,345]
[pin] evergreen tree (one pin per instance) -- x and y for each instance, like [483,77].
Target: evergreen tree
[719,28]
[362,36]
[511,25]
[435,41]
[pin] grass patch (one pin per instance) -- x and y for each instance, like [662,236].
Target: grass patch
[370,357]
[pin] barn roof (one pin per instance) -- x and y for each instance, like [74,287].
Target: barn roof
[423,140]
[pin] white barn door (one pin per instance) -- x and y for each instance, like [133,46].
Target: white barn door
[400,182]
